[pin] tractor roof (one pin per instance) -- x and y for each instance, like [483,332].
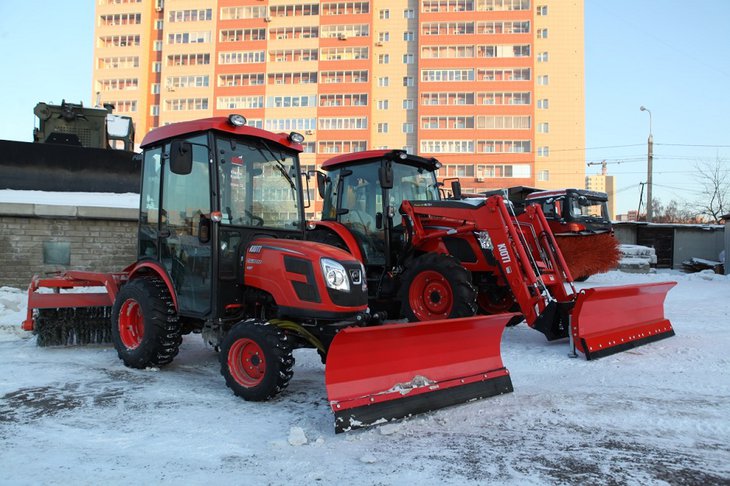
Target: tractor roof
[600,196]
[366,155]
[220,124]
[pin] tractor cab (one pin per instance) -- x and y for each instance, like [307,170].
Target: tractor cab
[210,188]
[363,192]
[573,210]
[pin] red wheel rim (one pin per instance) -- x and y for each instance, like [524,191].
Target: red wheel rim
[495,306]
[131,324]
[246,362]
[430,296]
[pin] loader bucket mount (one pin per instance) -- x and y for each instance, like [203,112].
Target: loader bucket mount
[377,374]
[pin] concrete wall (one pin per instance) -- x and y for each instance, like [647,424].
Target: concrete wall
[688,240]
[697,243]
[96,239]
[625,234]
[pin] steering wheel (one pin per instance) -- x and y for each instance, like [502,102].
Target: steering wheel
[257,220]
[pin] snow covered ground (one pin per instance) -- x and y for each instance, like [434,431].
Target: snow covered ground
[659,414]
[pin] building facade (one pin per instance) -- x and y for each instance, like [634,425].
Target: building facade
[492,88]
[604,183]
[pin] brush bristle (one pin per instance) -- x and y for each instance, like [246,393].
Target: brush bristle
[587,255]
[73,326]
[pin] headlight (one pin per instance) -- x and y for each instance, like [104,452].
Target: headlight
[335,275]
[485,241]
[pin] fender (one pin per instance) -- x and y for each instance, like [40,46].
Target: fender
[146,266]
[344,234]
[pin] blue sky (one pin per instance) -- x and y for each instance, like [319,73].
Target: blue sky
[671,56]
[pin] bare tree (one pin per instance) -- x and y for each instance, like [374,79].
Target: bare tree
[714,179]
[673,212]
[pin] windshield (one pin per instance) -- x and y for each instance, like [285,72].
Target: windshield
[584,207]
[361,191]
[259,184]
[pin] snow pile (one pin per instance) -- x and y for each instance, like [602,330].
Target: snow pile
[636,258]
[657,414]
[13,308]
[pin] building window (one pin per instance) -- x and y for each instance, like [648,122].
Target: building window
[543,80]
[542,57]
[155,88]
[409,81]
[409,13]
[543,127]
[383,82]
[543,175]
[542,33]
[382,128]
[156,67]
[408,128]
[384,37]
[155,110]
[384,14]
[408,104]
[159,24]
[542,10]
[409,58]
[157,46]
[543,104]
[543,151]
[383,58]
[382,104]
[409,36]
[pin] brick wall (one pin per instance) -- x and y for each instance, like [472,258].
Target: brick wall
[96,239]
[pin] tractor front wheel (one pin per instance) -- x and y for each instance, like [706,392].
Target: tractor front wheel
[256,360]
[435,287]
[145,325]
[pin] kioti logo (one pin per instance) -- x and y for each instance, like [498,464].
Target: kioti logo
[504,253]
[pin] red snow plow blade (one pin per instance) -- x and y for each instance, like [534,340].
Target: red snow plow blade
[608,320]
[376,374]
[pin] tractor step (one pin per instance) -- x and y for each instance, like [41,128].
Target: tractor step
[377,374]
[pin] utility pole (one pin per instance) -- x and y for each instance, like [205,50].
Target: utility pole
[649,163]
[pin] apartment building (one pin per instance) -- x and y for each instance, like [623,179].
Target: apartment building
[492,88]
[604,183]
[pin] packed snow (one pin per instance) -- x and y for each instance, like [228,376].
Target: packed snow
[107,199]
[657,414]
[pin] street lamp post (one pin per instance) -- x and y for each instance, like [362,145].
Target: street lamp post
[649,163]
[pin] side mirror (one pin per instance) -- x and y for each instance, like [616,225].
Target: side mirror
[181,157]
[386,176]
[321,182]
[456,189]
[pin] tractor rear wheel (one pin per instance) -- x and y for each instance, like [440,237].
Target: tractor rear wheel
[435,287]
[256,360]
[498,301]
[145,325]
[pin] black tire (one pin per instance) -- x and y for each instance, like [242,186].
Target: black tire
[499,302]
[145,326]
[256,360]
[582,278]
[436,286]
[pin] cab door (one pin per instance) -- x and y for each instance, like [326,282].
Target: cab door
[174,208]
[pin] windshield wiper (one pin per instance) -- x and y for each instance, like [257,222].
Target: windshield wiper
[279,165]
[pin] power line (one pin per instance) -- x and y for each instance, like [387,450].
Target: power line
[692,145]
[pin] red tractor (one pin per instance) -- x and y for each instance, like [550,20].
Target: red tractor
[428,258]
[582,227]
[220,253]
